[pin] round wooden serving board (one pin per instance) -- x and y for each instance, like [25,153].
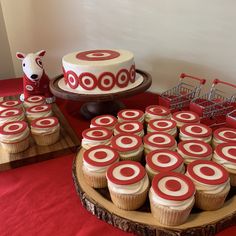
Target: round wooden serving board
[141,222]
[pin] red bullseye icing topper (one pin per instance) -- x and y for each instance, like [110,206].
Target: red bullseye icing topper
[129,127]
[97,133]
[45,122]
[163,160]
[173,186]
[9,104]
[195,148]
[162,124]
[126,142]
[104,120]
[35,99]
[227,151]
[126,173]
[40,108]
[130,114]
[186,117]
[196,130]
[10,112]
[158,110]
[13,127]
[207,172]
[159,140]
[100,155]
[225,134]
[97,55]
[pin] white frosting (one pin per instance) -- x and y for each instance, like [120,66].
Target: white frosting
[44,130]
[133,153]
[226,163]
[38,114]
[92,143]
[172,132]
[184,137]
[12,118]
[141,119]
[135,188]
[140,134]
[12,138]
[149,116]
[151,148]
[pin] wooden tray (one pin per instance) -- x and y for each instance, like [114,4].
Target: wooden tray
[141,222]
[68,143]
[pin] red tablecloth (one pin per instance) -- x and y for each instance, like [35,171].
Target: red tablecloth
[40,199]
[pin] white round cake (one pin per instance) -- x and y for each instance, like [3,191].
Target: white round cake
[99,71]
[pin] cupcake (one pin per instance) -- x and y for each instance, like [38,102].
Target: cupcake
[158,141]
[11,114]
[39,111]
[155,112]
[34,101]
[195,132]
[130,127]
[212,184]
[106,121]
[194,150]
[163,125]
[128,184]
[225,155]
[185,117]
[129,146]
[162,161]
[14,136]
[45,130]
[130,115]
[10,104]
[96,161]
[96,136]
[171,198]
[223,135]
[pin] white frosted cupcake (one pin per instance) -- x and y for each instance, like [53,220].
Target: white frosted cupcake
[185,117]
[130,115]
[212,184]
[195,132]
[129,146]
[194,150]
[163,125]
[162,161]
[128,184]
[130,127]
[158,141]
[106,121]
[225,155]
[11,114]
[155,112]
[171,198]
[34,101]
[14,136]
[39,111]
[10,104]
[45,130]
[96,161]
[223,135]
[96,136]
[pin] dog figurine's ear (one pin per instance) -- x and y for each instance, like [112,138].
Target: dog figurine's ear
[20,55]
[41,53]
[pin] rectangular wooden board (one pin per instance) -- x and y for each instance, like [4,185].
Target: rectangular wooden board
[68,143]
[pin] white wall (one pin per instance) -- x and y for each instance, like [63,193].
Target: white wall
[168,37]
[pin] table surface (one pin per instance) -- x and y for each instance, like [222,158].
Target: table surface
[40,199]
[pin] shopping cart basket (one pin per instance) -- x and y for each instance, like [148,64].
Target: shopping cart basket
[180,96]
[231,119]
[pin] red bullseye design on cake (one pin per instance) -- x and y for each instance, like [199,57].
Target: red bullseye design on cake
[225,134]
[72,79]
[196,130]
[106,81]
[227,151]
[13,127]
[162,124]
[11,112]
[88,81]
[163,160]
[132,74]
[45,122]
[98,133]
[126,142]
[207,172]
[104,120]
[10,103]
[97,55]
[126,173]
[158,110]
[195,148]
[122,78]
[186,117]
[40,108]
[35,99]
[173,186]
[101,155]
[129,127]
[130,114]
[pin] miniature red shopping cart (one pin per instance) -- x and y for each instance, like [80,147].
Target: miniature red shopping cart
[180,96]
[216,104]
[231,119]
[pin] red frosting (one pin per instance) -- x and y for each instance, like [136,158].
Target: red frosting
[12,127]
[130,113]
[11,112]
[186,115]
[35,99]
[127,126]
[231,151]
[162,124]
[39,108]
[43,122]
[10,103]
[97,133]
[104,121]
[228,135]
[196,130]
[97,55]
[157,110]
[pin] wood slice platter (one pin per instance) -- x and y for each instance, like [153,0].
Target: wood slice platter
[141,222]
[67,143]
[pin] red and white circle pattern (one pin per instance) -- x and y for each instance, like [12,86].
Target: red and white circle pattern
[88,81]
[98,133]
[225,134]
[159,140]
[162,124]
[196,130]
[11,112]
[35,99]
[132,74]
[104,120]
[40,108]
[72,79]
[10,103]
[13,127]
[129,127]
[186,116]
[45,122]
[130,114]
[122,78]
[227,151]
[97,55]
[158,110]
[106,81]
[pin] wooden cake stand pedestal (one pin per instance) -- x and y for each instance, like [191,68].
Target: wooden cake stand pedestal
[98,104]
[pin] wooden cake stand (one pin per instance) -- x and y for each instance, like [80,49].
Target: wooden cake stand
[141,222]
[98,104]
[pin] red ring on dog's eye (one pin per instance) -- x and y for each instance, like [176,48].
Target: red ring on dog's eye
[39,63]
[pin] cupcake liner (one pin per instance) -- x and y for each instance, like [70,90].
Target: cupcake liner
[168,216]
[137,157]
[232,179]
[211,202]
[128,202]
[16,147]
[49,139]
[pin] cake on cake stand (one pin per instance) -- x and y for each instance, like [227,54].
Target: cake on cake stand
[98,104]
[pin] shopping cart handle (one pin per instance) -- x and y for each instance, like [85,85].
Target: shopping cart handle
[217,81]
[183,75]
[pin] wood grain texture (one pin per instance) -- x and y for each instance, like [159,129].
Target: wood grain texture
[141,222]
[67,143]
